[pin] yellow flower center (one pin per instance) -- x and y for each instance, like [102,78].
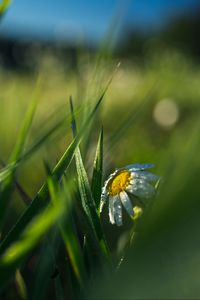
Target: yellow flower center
[119,182]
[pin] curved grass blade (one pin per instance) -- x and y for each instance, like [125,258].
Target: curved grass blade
[97,172]
[19,147]
[88,203]
[25,197]
[21,286]
[41,198]
[7,170]
[7,185]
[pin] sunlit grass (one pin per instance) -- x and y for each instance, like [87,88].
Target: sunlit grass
[60,158]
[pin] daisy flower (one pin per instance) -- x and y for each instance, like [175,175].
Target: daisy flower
[132,179]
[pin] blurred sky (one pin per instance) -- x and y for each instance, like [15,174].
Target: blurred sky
[90,19]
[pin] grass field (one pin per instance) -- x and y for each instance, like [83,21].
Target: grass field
[61,247]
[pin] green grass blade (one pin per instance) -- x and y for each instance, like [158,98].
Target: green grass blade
[25,197]
[7,170]
[15,155]
[31,235]
[68,155]
[21,286]
[19,147]
[41,198]
[97,172]
[67,231]
[88,203]
[4,6]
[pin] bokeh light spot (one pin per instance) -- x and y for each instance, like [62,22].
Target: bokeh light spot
[166,113]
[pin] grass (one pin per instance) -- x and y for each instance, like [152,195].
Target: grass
[59,246]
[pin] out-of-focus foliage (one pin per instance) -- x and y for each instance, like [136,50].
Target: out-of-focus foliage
[181,33]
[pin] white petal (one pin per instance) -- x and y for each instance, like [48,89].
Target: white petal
[104,191]
[138,167]
[111,210]
[141,189]
[126,203]
[102,202]
[144,175]
[137,181]
[117,210]
[104,196]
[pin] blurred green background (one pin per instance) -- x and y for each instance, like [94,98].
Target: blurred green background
[151,113]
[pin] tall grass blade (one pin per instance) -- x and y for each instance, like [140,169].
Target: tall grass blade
[7,170]
[41,198]
[97,172]
[21,286]
[15,155]
[25,197]
[88,203]
[19,147]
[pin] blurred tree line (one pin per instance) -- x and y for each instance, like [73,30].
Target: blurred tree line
[182,33]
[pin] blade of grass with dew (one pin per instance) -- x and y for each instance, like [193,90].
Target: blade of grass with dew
[7,185]
[29,238]
[41,198]
[97,172]
[86,194]
[67,231]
